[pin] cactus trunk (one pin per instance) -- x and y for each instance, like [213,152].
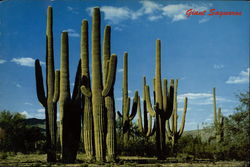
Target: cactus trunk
[88,128]
[49,102]
[69,107]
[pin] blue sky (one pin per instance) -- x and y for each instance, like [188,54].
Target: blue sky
[201,51]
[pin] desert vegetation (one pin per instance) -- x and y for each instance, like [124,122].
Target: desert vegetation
[91,133]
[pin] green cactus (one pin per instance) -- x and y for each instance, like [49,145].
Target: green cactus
[87,129]
[126,118]
[147,129]
[173,134]
[100,92]
[70,107]
[163,104]
[109,99]
[52,83]
[218,121]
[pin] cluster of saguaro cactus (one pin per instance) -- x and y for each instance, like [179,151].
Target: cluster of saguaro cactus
[70,107]
[163,104]
[92,100]
[102,91]
[126,117]
[173,134]
[147,128]
[218,120]
[52,83]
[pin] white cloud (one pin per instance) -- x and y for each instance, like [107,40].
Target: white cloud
[71,9]
[152,10]
[2,61]
[118,29]
[26,114]
[41,110]
[202,98]
[27,103]
[204,19]
[129,91]
[119,99]
[120,70]
[18,85]
[218,66]
[72,32]
[243,77]
[24,61]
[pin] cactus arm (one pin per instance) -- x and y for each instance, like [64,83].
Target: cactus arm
[119,114]
[165,98]
[153,130]
[134,106]
[76,90]
[57,86]
[183,117]
[148,101]
[85,88]
[175,108]
[149,126]
[86,91]
[169,131]
[140,126]
[106,49]
[214,102]
[39,84]
[170,100]
[107,68]
[111,75]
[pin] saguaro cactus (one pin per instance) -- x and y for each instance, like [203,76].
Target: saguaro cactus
[98,92]
[87,130]
[109,99]
[126,118]
[173,134]
[163,106]
[52,83]
[147,128]
[70,107]
[218,121]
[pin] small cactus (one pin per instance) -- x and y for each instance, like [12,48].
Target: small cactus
[173,134]
[218,121]
[126,118]
[147,128]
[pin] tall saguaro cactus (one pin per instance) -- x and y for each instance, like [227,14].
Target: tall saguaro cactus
[87,131]
[173,134]
[99,92]
[218,120]
[163,106]
[147,128]
[52,83]
[126,117]
[70,107]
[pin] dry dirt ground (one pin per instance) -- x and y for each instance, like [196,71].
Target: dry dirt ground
[37,160]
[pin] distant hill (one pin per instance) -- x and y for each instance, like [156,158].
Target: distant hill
[204,133]
[35,121]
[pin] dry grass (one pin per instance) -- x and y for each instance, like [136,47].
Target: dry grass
[37,160]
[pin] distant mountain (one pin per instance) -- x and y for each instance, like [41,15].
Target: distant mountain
[35,121]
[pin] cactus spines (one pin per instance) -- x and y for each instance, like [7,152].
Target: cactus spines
[126,117]
[87,130]
[218,120]
[69,106]
[50,101]
[163,104]
[173,133]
